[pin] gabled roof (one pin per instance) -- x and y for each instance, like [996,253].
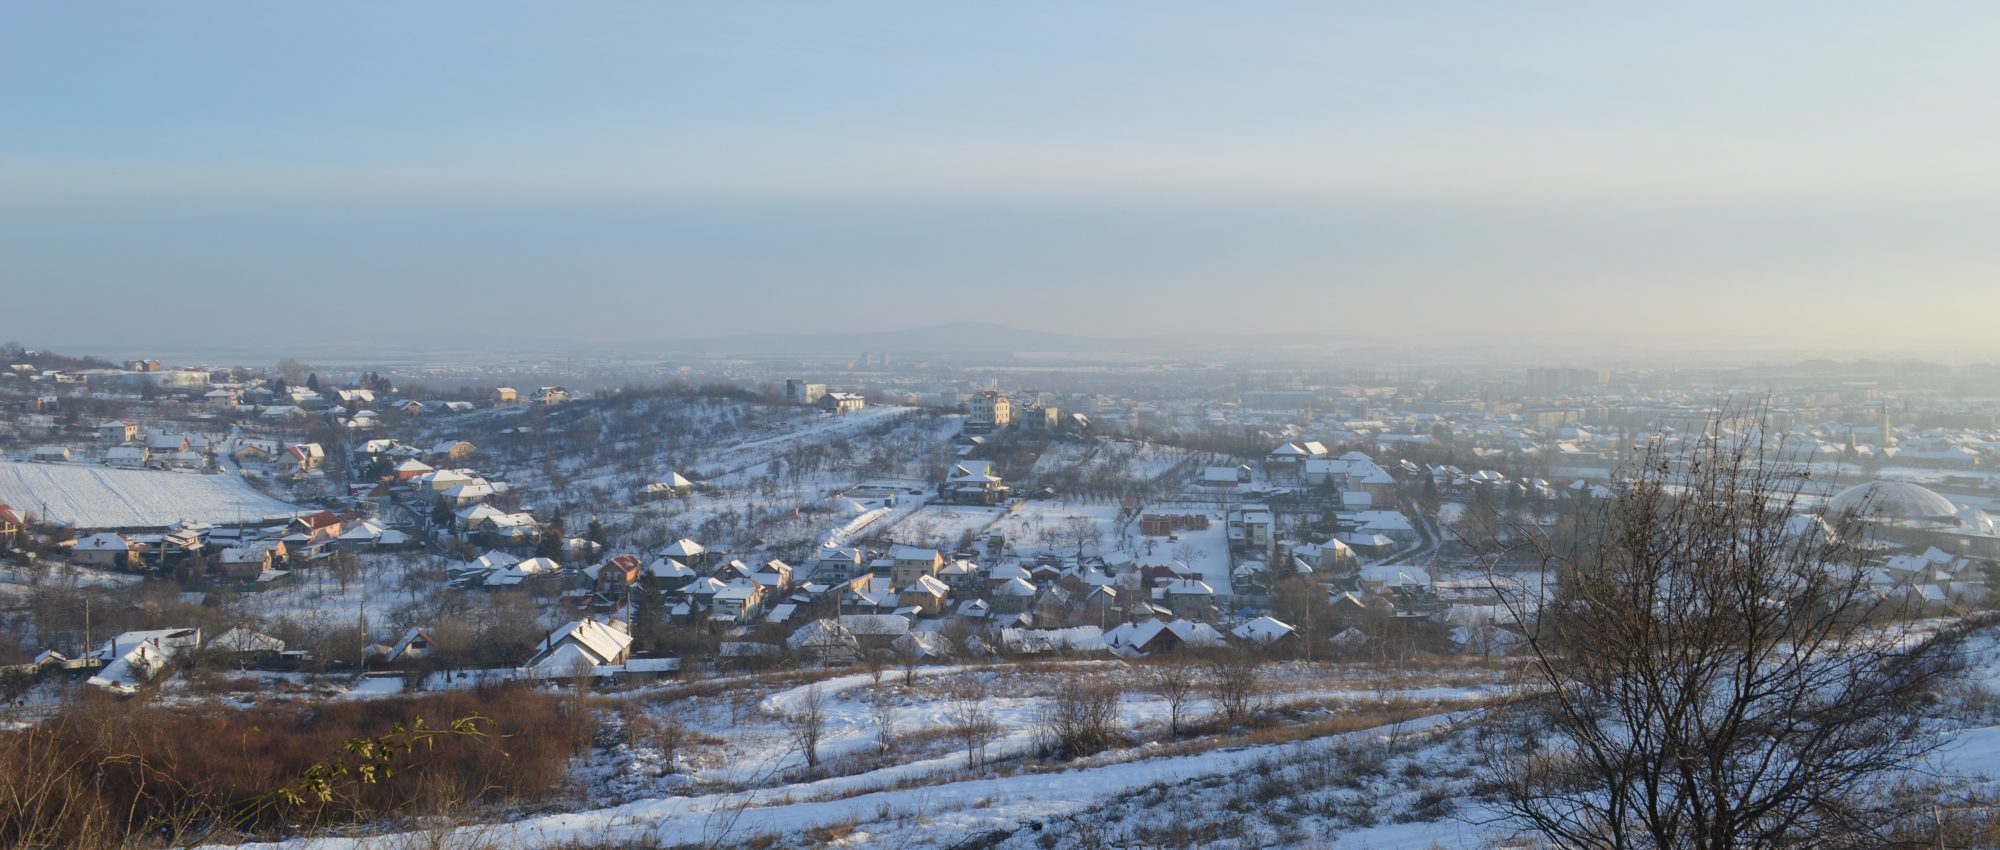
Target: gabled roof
[1015,587]
[684,548]
[240,639]
[415,643]
[923,645]
[497,559]
[1139,636]
[103,542]
[928,584]
[603,642]
[244,555]
[1263,630]
[972,472]
[1189,587]
[740,589]
[901,552]
[875,625]
[669,568]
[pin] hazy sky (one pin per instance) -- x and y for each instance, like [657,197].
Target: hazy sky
[1820,175]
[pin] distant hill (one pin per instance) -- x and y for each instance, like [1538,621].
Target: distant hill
[983,338]
[979,337]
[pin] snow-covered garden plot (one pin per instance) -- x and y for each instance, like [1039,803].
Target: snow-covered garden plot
[381,584]
[1110,468]
[84,496]
[943,525]
[1039,526]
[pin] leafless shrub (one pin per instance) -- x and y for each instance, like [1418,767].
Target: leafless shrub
[1704,674]
[807,723]
[883,715]
[1234,679]
[1081,719]
[970,720]
[1172,679]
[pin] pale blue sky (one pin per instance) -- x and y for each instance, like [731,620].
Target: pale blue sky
[1684,175]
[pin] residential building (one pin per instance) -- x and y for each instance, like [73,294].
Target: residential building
[842,402]
[975,482]
[990,410]
[908,563]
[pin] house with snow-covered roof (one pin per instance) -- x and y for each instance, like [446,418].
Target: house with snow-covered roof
[673,486]
[908,563]
[1188,598]
[11,524]
[1264,631]
[1154,636]
[869,594]
[133,658]
[927,594]
[106,550]
[688,552]
[973,482]
[128,456]
[1225,476]
[825,641]
[738,601]
[242,641]
[582,645]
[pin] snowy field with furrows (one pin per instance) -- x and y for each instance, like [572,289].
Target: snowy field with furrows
[88,496]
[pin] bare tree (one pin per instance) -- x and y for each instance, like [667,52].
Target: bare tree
[806,723]
[1706,674]
[1081,531]
[882,713]
[910,659]
[580,671]
[1235,681]
[1081,719]
[970,720]
[1172,679]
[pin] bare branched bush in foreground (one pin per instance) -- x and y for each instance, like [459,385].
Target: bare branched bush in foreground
[1081,719]
[1234,680]
[1706,671]
[1173,680]
[807,723]
[970,720]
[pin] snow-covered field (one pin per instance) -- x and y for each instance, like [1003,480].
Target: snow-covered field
[1408,785]
[745,793]
[85,496]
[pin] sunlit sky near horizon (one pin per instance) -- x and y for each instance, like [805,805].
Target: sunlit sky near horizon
[1812,176]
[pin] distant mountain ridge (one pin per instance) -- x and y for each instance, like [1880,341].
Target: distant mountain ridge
[982,337]
[988,338]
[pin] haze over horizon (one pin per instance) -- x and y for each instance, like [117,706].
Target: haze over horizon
[1811,178]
